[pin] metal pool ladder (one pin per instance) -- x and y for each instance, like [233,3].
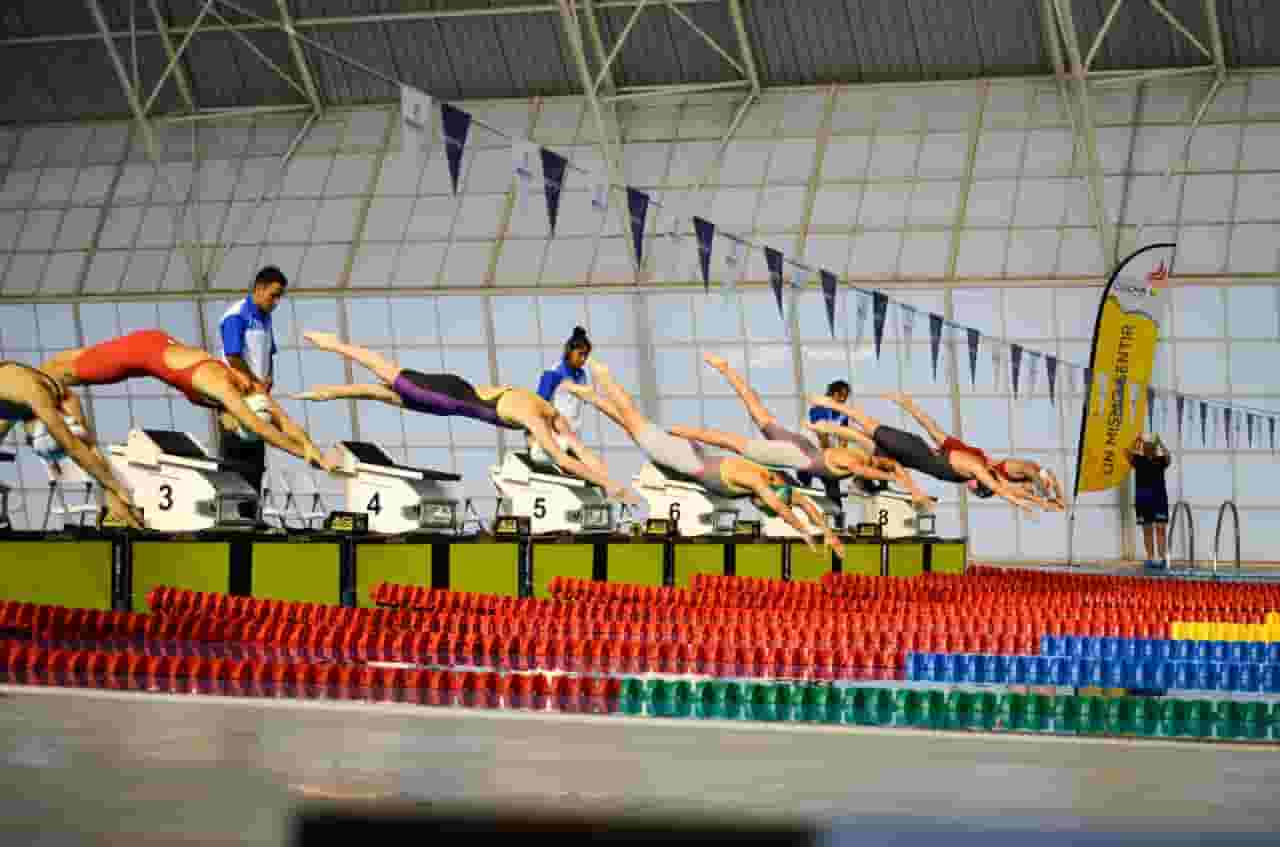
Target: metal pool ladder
[1217,534]
[1184,507]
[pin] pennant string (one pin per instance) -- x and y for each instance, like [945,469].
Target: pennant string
[553,186]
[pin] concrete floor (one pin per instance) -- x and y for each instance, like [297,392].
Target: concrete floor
[104,767]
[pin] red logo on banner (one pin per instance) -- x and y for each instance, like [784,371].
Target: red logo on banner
[1159,277]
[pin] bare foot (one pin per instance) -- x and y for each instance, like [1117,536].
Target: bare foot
[717,362]
[599,371]
[323,340]
[316,394]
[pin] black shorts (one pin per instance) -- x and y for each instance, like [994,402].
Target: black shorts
[1152,506]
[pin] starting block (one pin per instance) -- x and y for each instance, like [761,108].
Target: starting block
[776,527]
[896,515]
[178,485]
[684,501]
[396,498]
[551,499]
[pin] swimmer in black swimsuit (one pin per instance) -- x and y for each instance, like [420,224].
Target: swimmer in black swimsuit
[30,396]
[448,395]
[953,461]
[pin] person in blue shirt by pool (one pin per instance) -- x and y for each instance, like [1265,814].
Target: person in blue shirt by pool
[572,368]
[838,391]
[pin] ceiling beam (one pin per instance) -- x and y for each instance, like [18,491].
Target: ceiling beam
[179,72]
[299,57]
[1087,128]
[342,20]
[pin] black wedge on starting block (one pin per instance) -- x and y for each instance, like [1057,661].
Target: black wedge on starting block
[553,501]
[178,485]
[397,498]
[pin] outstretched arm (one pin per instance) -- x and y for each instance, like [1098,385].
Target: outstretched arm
[1000,488]
[819,520]
[764,494]
[91,461]
[542,434]
[290,427]
[235,406]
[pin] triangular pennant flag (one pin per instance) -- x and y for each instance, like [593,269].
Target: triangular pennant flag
[773,259]
[705,231]
[638,206]
[935,340]
[1204,423]
[863,305]
[553,166]
[1151,408]
[829,286]
[1226,425]
[1249,425]
[522,154]
[1051,373]
[456,124]
[1033,371]
[997,368]
[1181,403]
[1015,365]
[907,315]
[879,308]
[1272,426]
[415,119]
[974,335]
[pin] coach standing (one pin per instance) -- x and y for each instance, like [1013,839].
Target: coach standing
[249,346]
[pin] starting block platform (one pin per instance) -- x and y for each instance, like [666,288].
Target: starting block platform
[553,501]
[692,510]
[896,515]
[178,485]
[397,498]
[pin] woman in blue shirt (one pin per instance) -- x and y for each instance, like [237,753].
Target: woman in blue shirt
[572,369]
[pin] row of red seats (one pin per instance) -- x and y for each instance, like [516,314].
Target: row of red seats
[19,658]
[718,591]
[364,635]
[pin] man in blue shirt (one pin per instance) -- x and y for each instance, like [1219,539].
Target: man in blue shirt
[838,391]
[249,346]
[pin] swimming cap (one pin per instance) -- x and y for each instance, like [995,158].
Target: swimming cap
[45,445]
[260,406]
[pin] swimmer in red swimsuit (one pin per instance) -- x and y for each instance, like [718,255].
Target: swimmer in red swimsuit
[201,378]
[1037,482]
[951,461]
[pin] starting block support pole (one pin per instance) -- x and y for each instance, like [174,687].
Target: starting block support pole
[240,567]
[347,572]
[524,566]
[121,571]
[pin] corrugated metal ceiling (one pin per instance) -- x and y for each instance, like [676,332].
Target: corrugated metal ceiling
[519,49]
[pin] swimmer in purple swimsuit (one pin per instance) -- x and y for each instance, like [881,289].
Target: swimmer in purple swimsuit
[448,395]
